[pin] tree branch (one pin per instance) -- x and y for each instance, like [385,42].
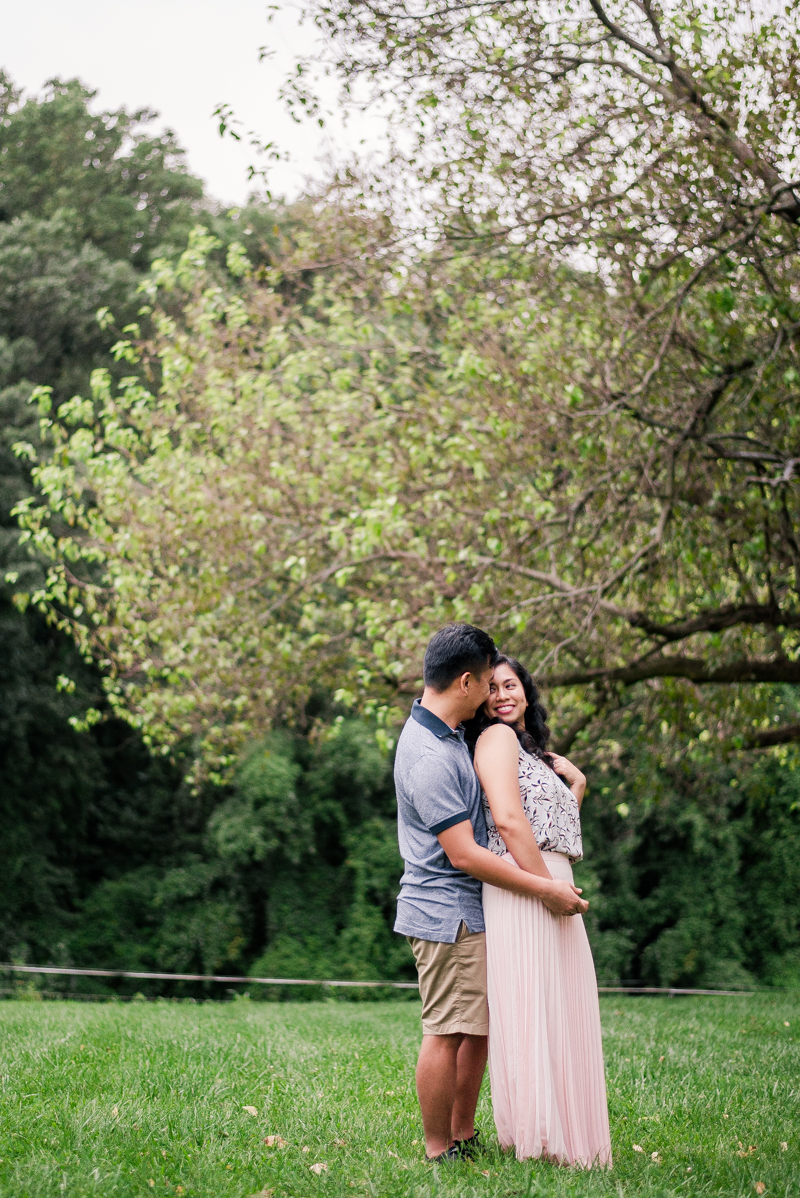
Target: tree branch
[694,669]
[784,735]
[686,88]
[716,621]
[619,33]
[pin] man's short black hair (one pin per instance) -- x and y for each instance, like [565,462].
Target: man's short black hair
[454,650]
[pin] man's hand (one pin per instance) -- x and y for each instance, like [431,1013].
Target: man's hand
[562,898]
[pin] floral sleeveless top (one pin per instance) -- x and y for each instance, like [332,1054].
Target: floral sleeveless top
[550,806]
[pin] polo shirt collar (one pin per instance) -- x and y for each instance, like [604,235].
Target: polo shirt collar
[432,722]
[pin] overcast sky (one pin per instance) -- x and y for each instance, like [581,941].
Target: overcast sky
[183,58]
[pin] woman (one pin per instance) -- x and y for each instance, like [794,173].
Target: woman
[545,1049]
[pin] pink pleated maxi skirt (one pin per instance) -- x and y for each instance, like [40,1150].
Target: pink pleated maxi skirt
[545,1046]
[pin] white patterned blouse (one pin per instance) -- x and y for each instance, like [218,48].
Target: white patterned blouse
[550,806]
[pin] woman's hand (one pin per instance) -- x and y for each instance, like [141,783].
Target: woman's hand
[573,777]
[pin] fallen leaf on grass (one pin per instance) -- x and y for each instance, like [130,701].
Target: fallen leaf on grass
[276,1142]
[784,1146]
[305,1148]
[265,1193]
[638,1148]
[115,1112]
[320,1167]
[394,1154]
[150,1181]
[759,1187]
[742,1151]
[786,1023]
[660,1059]
[655,1157]
[251,1110]
[340,1143]
[485,1173]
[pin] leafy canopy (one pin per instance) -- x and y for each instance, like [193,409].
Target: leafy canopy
[315,487]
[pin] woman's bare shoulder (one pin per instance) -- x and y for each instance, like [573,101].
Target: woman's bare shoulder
[498,738]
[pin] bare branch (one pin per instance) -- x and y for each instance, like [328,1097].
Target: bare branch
[619,33]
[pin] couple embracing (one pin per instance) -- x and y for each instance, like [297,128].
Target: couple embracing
[489,824]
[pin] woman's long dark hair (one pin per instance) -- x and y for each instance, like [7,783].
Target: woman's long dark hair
[535,735]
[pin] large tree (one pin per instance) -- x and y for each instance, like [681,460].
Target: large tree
[655,148]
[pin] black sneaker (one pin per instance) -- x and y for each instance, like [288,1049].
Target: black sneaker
[468,1149]
[451,1155]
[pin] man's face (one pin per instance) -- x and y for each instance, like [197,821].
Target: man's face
[478,688]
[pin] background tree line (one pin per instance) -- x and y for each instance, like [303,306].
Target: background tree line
[436,457]
[107,854]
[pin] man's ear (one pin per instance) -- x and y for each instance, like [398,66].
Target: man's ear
[464,681]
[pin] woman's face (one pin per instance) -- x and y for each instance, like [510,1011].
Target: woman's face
[506,700]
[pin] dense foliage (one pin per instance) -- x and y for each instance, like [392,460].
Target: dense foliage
[317,486]
[106,856]
[74,236]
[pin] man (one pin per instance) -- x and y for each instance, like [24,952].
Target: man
[443,841]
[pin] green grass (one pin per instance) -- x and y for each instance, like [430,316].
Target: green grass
[147,1099]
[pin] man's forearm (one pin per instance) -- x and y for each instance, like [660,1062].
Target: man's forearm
[521,843]
[562,898]
[480,863]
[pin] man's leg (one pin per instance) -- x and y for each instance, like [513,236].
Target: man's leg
[437,1077]
[470,1068]
[452,980]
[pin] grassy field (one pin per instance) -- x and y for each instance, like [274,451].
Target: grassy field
[146,1099]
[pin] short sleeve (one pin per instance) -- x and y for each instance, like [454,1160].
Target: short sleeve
[435,789]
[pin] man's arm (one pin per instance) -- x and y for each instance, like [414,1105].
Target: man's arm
[458,842]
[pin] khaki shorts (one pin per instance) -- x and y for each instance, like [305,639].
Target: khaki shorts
[452,984]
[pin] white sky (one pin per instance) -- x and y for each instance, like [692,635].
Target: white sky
[181,57]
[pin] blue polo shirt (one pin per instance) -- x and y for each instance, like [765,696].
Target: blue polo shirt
[436,788]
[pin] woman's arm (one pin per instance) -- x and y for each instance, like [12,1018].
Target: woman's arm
[497,767]
[573,777]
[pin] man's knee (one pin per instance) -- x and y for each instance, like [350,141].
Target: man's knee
[446,1044]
